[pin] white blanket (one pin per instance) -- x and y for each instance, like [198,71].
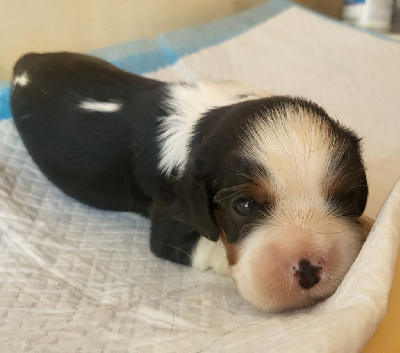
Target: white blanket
[76,279]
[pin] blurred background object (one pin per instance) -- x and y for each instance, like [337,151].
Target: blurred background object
[396,17]
[371,14]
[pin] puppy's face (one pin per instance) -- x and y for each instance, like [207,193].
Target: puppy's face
[287,197]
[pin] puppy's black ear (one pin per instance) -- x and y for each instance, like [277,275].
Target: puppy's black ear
[195,196]
[362,194]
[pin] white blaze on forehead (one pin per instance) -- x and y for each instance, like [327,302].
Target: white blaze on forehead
[186,105]
[295,147]
[22,79]
[92,105]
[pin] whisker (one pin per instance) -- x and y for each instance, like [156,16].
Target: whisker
[339,232]
[175,247]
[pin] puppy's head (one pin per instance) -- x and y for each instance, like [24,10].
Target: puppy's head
[283,188]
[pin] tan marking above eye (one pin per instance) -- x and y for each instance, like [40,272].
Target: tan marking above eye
[232,249]
[261,189]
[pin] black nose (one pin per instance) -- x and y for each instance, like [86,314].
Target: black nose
[308,274]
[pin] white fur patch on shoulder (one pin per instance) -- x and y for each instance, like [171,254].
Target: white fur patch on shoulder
[186,104]
[22,79]
[210,255]
[102,107]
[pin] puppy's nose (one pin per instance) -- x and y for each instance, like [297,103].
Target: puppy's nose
[308,274]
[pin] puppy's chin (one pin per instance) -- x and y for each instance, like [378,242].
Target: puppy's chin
[267,271]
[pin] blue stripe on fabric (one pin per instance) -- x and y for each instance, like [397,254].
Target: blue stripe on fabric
[168,48]
[5,112]
[354,2]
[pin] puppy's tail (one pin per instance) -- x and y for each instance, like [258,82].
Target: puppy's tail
[25,62]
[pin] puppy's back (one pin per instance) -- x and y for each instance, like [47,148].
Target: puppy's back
[82,120]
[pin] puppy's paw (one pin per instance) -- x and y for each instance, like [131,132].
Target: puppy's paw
[209,255]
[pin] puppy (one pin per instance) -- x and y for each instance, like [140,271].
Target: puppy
[268,189]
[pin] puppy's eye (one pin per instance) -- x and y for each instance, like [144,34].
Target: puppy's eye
[245,206]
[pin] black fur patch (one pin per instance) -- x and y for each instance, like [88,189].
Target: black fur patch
[107,160]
